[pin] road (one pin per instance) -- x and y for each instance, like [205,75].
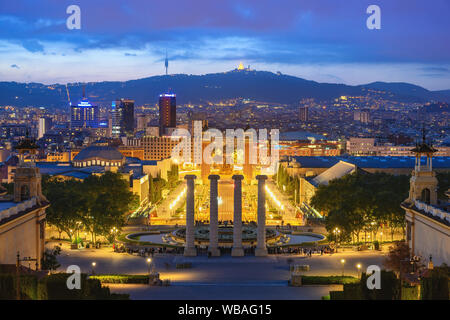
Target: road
[224,277]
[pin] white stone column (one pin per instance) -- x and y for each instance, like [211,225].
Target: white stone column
[238,250]
[189,247]
[213,216]
[261,250]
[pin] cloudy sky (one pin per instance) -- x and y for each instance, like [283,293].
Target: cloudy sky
[326,41]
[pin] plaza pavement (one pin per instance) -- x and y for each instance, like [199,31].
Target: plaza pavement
[222,277]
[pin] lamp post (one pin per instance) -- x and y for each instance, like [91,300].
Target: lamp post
[336,232]
[114,233]
[18,271]
[93,267]
[343,263]
[149,262]
[358,266]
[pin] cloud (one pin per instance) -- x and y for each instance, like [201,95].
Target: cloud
[127,54]
[33,46]
[15,66]
[435,69]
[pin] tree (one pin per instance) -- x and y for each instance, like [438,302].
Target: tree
[49,261]
[363,201]
[67,203]
[398,258]
[99,203]
[108,197]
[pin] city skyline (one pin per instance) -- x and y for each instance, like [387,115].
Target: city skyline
[319,41]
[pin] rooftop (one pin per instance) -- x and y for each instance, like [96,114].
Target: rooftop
[370,162]
[337,171]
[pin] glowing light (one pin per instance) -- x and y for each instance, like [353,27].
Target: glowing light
[178,198]
[274,198]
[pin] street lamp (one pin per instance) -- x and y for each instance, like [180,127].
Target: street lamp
[336,232]
[343,263]
[358,266]
[93,267]
[149,262]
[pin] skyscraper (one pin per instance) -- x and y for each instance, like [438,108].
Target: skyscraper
[84,115]
[167,112]
[122,112]
[45,124]
[303,113]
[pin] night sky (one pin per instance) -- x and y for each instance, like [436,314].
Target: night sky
[326,41]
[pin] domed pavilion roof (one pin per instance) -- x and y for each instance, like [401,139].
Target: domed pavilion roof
[103,152]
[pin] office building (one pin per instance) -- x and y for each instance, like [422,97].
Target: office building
[303,113]
[167,112]
[84,115]
[122,112]
[45,124]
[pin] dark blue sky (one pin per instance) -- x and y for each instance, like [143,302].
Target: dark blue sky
[326,41]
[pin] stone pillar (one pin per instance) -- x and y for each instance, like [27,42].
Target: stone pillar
[261,250]
[213,216]
[238,250]
[189,247]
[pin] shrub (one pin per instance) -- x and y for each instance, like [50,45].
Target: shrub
[328,280]
[336,295]
[28,287]
[121,278]
[54,287]
[390,287]
[435,286]
[410,293]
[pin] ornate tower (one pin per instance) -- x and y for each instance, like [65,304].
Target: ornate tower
[423,182]
[27,179]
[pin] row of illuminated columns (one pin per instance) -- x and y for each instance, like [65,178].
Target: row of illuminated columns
[237,249]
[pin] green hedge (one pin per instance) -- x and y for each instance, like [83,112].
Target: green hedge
[328,280]
[410,293]
[28,287]
[121,278]
[54,287]
[436,286]
[336,295]
[390,289]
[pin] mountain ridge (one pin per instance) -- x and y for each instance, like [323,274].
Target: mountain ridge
[257,85]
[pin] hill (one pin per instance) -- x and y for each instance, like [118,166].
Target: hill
[257,85]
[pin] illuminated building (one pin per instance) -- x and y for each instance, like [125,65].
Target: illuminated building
[427,219]
[303,114]
[22,219]
[84,115]
[99,155]
[167,112]
[158,148]
[45,124]
[122,117]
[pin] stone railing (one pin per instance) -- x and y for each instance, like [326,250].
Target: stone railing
[435,212]
[19,207]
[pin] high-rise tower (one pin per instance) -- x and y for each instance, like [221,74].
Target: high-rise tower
[122,112]
[167,112]
[84,114]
